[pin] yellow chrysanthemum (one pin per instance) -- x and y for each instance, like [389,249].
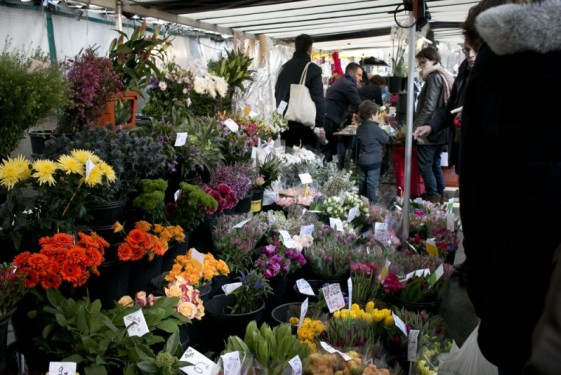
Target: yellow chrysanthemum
[95,177]
[44,171]
[68,165]
[108,171]
[83,155]
[13,170]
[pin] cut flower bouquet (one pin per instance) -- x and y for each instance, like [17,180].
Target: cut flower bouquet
[194,272]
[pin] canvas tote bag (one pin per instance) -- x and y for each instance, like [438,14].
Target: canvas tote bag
[301,107]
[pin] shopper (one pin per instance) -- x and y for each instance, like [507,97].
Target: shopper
[340,101]
[373,91]
[370,140]
[299,134]
[510,174]
[432,99]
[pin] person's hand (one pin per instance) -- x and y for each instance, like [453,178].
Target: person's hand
[422,131]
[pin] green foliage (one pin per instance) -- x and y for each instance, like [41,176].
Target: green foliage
[249,296]
[269,169]
[135,57]
[152,199]
[97,339]
[273,348]
[30,90]
[192,206]
[235,68]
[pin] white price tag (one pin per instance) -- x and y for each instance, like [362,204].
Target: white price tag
[229,288]
[307,229]
[381,232]
[350,286]
[412,345]
[418,273]
[176,195]
[181,139]
[282,107]
[303,311]
[336,224]
[242,223]
[232,364]
[296,365]
[399,324]
[328,348]
[89,166]
[450,219]
[136,324]
[433,278]
[199,257]
[201,365]
[305,178]
[304,287]
[333,297]
[353,213]
[231,124]
[450,206]
[287,240]
[62,368]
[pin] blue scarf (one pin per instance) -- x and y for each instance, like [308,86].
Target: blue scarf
[350,78]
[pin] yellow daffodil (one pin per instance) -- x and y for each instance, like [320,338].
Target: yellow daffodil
[68,165]
[14,170]
[44,171]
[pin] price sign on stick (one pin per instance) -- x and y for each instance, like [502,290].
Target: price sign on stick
[350,286]
[381,232]
[201,365]
[181,139]
[195,254]
[333,297]
[304,287]
[282,107]
[62,368]
[412,345]
[232,363]
[296,365]
[136,324]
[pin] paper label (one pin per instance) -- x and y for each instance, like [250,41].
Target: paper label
[333,297]
[307,229]
[381,232]
[336,224]
[231,124]
[450,206]
[181,139]
[89,166]
[450,219]
[418,273]
[201,365]
[350,286]
[430,245]
[328,348]
[412,345]
[241,223]
[176,195]
[287,240]
[232,364]
[399,324]
[229,288]
[353,213]
[296,365]
[304,287]
[303,311]
[305,178]
[136,324]
[254,153]
[199,257]
[282,107]
[62,368]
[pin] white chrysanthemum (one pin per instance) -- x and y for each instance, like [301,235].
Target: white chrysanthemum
[188,102]
[221,86]
[211,88]
[200,85]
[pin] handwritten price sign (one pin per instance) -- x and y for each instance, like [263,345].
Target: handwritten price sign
[201,365]
[333,297]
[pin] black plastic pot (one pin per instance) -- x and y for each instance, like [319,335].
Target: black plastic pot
[38,139]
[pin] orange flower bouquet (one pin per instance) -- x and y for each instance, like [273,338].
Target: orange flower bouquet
[61,258]
[146,238]
[194,272]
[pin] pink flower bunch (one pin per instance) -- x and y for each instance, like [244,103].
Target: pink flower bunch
[364,268]
[238,176]
[392,284]
[225,197]
[276,259]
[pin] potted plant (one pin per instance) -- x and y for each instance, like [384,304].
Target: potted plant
[92,82]
[30,90]
[399,37]
[150,201]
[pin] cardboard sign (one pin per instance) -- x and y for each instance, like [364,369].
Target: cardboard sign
[201,365]
[231,124]
[229,288]
[62,368]
[181,139]
[304,287]
[136,324]
[303,311]
[333,297]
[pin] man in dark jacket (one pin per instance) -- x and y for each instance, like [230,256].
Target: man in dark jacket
[291,72]
[510,177]
[341,99]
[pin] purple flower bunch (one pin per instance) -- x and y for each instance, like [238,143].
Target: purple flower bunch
[276,259]
[238,176]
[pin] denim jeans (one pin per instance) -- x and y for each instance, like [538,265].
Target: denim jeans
[368,183]
[429,168]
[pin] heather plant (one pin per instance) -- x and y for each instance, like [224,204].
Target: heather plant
[92,82]
[235,245]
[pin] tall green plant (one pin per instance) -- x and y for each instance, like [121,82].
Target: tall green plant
[235,68]
[30,90]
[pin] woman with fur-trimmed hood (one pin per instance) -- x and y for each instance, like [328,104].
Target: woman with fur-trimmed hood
[510,178]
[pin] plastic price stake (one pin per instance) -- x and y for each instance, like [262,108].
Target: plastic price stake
[231,124]
[399,324]
[328,348]
[296,365]
[304,287]
[201,365]
[381,232]
[303,311]
[412,345]
[89,166]
[229,288]
[307,229]
[199,257]
[333,297]
[305,178]
[282,107]
[181,139]
[350,286]
[353,213]
[232,363]
[62,368]
[136,324]
[287,240]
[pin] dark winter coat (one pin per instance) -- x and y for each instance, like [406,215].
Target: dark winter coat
[370,138]
[510,176]
[340,98]
[291,72]
[371,92]
[430,102]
